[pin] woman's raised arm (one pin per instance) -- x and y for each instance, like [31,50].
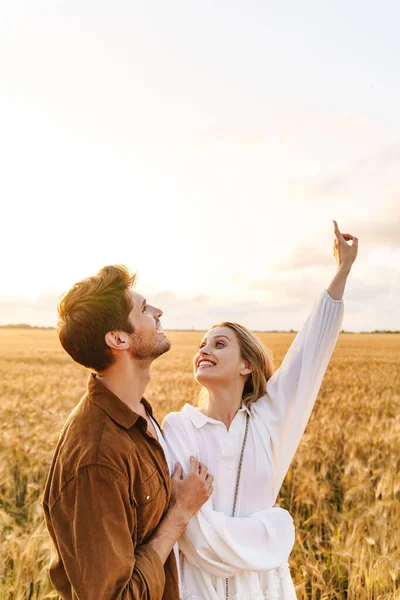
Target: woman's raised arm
[293,388]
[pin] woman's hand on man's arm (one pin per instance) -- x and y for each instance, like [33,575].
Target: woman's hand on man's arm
[188,496]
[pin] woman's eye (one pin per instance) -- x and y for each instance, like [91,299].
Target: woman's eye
[221,344]
[144,308]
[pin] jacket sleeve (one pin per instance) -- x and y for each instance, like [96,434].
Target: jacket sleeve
[220,545]
[93,526]
[293,388]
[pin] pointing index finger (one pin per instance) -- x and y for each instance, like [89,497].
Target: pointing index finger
[337,232]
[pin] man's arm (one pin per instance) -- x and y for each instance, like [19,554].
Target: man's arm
[92,522]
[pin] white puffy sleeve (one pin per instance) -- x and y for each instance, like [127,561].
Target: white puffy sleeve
[220,545]
[293,388]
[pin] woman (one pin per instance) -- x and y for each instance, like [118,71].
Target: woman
[247,433]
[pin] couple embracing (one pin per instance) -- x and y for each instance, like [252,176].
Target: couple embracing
[187,511]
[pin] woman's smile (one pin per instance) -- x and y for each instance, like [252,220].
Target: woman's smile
[204,363]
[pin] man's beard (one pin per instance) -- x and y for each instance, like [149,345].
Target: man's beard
[149,350]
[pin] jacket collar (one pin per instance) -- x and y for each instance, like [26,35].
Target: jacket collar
[112,405]
[199,419]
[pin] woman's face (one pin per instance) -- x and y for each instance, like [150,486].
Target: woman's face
[218,358]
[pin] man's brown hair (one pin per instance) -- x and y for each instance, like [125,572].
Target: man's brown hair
[92,308]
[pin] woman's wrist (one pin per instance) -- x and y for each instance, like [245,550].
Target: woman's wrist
[345,268]
[338,283]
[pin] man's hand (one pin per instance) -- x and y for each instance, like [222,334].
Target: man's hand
[191,492]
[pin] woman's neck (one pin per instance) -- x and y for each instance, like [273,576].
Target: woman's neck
[223,403]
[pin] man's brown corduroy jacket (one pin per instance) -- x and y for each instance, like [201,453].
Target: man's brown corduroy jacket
[107,491]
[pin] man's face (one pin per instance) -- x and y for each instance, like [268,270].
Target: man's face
[148,339]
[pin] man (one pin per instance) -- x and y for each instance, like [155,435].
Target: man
[111,508]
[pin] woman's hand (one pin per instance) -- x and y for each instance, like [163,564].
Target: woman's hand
[344,253]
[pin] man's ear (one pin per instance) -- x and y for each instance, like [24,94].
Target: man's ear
[117,340]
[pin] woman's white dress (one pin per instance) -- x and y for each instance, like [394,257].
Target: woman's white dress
[252,549]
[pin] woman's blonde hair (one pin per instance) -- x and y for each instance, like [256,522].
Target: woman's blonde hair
[259,359]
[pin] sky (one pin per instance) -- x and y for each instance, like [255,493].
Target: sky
[207,146]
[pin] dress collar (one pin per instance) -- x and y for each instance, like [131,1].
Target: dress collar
[199,419]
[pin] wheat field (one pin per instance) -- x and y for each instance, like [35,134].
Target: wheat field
[343,489]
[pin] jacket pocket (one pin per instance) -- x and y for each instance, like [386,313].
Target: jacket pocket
[150,500]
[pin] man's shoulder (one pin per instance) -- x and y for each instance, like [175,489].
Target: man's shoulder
[89,437]
[94,433]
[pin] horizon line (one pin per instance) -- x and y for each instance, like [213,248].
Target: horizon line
[53,328]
